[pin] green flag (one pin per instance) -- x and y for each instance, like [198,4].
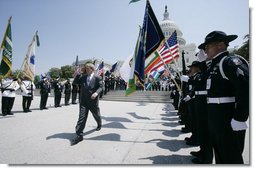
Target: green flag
[37,39]
[6,47]
[132,1]
[132,79]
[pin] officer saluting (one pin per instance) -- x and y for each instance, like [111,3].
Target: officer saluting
[227,98]
[8,89]
[45,92]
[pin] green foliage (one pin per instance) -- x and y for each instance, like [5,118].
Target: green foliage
[244,50]
[54,72]
[67,71]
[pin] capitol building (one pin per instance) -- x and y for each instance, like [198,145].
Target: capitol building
[168,26]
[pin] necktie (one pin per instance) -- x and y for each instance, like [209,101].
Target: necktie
[88,80]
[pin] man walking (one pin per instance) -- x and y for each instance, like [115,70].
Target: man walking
[90,88]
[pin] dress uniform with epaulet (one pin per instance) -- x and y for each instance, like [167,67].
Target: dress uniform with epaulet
[45,92]
[67,92]
[8,89]
[205,155]
[57,91]
[228,101]
[27,88]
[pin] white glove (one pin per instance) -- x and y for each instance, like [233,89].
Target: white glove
[48,94]
[187,98]
[184,78]
[202,55]
[94,95]
[238,125]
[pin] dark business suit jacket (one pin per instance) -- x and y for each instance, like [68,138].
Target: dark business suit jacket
[86,90]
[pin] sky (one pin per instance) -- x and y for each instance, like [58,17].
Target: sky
[108,29]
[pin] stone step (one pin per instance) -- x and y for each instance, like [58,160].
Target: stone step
[139,96]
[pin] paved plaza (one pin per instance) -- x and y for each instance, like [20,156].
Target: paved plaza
[132,133]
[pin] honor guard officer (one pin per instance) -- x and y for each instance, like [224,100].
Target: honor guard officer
[227,98]
[45,92]
[67,92]
[27,87]
[8,89]
[57,91]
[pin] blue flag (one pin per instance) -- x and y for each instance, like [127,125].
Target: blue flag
[151,38]
[113,68]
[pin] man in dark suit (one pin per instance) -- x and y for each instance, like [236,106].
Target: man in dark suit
[90,86]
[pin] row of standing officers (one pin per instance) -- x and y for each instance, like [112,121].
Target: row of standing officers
[215,107]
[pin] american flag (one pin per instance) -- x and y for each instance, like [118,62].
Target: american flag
[76,68]
[100,69]
[168,52]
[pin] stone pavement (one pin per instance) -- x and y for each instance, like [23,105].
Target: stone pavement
[132,133]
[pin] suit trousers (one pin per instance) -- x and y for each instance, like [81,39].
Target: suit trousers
[83,114]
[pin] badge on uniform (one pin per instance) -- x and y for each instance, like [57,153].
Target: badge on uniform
[237,61]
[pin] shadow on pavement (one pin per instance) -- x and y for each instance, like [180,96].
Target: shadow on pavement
[116,119]
[171,145]
[114,125]
[171,159]
[106,137]
[134,114]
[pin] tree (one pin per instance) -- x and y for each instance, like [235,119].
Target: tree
[55,72]
[244,50]
[67,71]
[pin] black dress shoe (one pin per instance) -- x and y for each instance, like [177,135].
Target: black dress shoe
[10,113]
[29,110]
[76,140]
[98,128]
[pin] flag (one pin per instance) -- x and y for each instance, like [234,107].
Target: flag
[113,68]
[169,51]
[151,38]
[29,63]
[37,39]
[154,76]
[131,86]
[100,69]
[6,48]
[126,68]
[132,1]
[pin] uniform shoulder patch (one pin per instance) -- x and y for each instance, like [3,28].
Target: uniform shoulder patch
[236,61]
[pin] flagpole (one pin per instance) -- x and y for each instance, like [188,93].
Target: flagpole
[179,89]
[26,56]
[173,57]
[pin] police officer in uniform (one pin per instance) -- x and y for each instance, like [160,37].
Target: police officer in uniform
[205,154]
[45,92]
[227,98]
[67,92]
[8,89]
[27,87]
[57,91]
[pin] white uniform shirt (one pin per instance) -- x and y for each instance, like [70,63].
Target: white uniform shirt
[7,86]
[26,87]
